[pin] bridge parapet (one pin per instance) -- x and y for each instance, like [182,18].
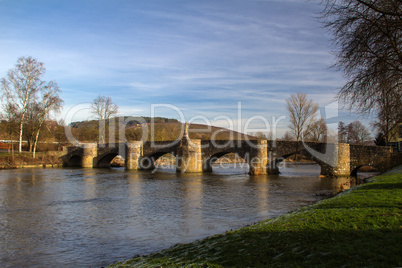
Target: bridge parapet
[70,149]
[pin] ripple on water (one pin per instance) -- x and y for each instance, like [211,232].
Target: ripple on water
[94,217]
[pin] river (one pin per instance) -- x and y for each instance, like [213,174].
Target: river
[95,217]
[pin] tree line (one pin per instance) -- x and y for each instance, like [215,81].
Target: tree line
[305,125]
[28,102]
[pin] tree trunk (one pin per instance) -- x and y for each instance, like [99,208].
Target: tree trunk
[35,143]
[12,150]
[20,138]
[102,131]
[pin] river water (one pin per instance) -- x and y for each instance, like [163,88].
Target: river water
[95,217]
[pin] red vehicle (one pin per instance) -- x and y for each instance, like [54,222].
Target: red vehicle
[5,146]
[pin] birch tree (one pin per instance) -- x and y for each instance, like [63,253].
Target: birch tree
[50,102]
[21,86]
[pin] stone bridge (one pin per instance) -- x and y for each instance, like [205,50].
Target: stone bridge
[263,156]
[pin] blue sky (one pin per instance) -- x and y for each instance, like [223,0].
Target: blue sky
[203,57]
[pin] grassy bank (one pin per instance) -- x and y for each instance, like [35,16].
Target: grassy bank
[358,228]
[8,161]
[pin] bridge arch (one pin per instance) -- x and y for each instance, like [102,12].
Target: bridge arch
[209,161]
[148,162]
[298,165]
[354,171]
[274,164]
[73,161]
[105,159]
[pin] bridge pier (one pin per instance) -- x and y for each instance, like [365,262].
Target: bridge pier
[258,158]
[189,156]
[337,160]
[207,166]
[272,169]
[133,155]
[146,163]
[89,152]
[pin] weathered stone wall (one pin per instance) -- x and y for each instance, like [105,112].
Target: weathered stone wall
[89,152]
[160,147]
[219,148]
[327,155]
[197,155]
[189,156]
[258,158]
[377,156]
[134,151]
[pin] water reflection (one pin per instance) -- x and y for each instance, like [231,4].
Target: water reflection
[261,193]
[94,217]
[192,202]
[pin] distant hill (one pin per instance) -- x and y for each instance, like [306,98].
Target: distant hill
[162,129]
[128,121]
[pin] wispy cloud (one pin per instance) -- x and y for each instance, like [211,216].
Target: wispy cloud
[202,56]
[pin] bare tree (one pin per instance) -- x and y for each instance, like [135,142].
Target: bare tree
[380,140]
[358,134]
[103,108]
[50,102]
[302,112]
[318,131]
[20,87]
[60,133]
[261,136]
[388,116]
[30,124]
[287,137]
[342,132]
[367,38]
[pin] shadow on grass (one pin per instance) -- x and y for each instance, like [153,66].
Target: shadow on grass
[324,248]
[381,186]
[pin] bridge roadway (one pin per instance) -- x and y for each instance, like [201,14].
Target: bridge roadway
[263,156]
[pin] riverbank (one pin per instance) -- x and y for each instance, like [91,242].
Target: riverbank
[25,160]
[357,228]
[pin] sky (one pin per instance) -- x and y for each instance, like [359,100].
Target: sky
[228,63]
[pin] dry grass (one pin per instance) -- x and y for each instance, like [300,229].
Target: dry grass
[8,161]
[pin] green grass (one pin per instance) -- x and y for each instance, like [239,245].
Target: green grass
[358,228]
